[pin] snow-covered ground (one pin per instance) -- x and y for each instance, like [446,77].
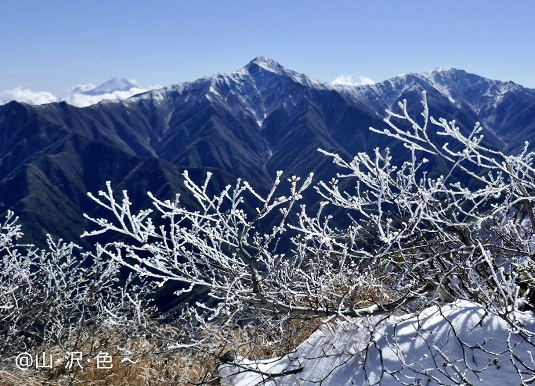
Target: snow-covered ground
[459,343]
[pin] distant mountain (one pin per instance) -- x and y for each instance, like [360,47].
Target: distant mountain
[505,109]
[111,86]
[249,124]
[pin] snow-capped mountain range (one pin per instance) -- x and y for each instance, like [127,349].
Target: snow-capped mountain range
[261,86]
[461,88]
[243,124]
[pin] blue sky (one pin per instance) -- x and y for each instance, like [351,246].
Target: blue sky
[53,45]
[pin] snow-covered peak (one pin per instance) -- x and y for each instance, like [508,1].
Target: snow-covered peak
[462,89]
[481,94]
[260,65]
[462,80]
[266,64]
[113,90]
[444,69]
[260,86]
[111,86]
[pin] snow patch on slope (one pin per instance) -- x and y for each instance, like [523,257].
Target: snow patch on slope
[418,349]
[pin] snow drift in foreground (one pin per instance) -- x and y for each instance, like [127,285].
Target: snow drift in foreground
[460,343]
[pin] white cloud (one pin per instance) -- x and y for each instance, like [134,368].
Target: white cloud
[81,100]
[82,88]
[348,80]
[21,94]
[76,97]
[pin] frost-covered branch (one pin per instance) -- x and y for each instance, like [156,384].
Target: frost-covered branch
[416,237]
[60,299]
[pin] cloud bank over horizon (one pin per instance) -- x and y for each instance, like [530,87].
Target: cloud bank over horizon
[76,96]
[79,99]
[345,79]
[25,95]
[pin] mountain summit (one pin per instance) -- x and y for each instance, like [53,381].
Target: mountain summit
[111,86]
[262,64]
[266,64]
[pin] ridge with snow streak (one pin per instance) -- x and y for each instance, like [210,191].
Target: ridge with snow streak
[263,86]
